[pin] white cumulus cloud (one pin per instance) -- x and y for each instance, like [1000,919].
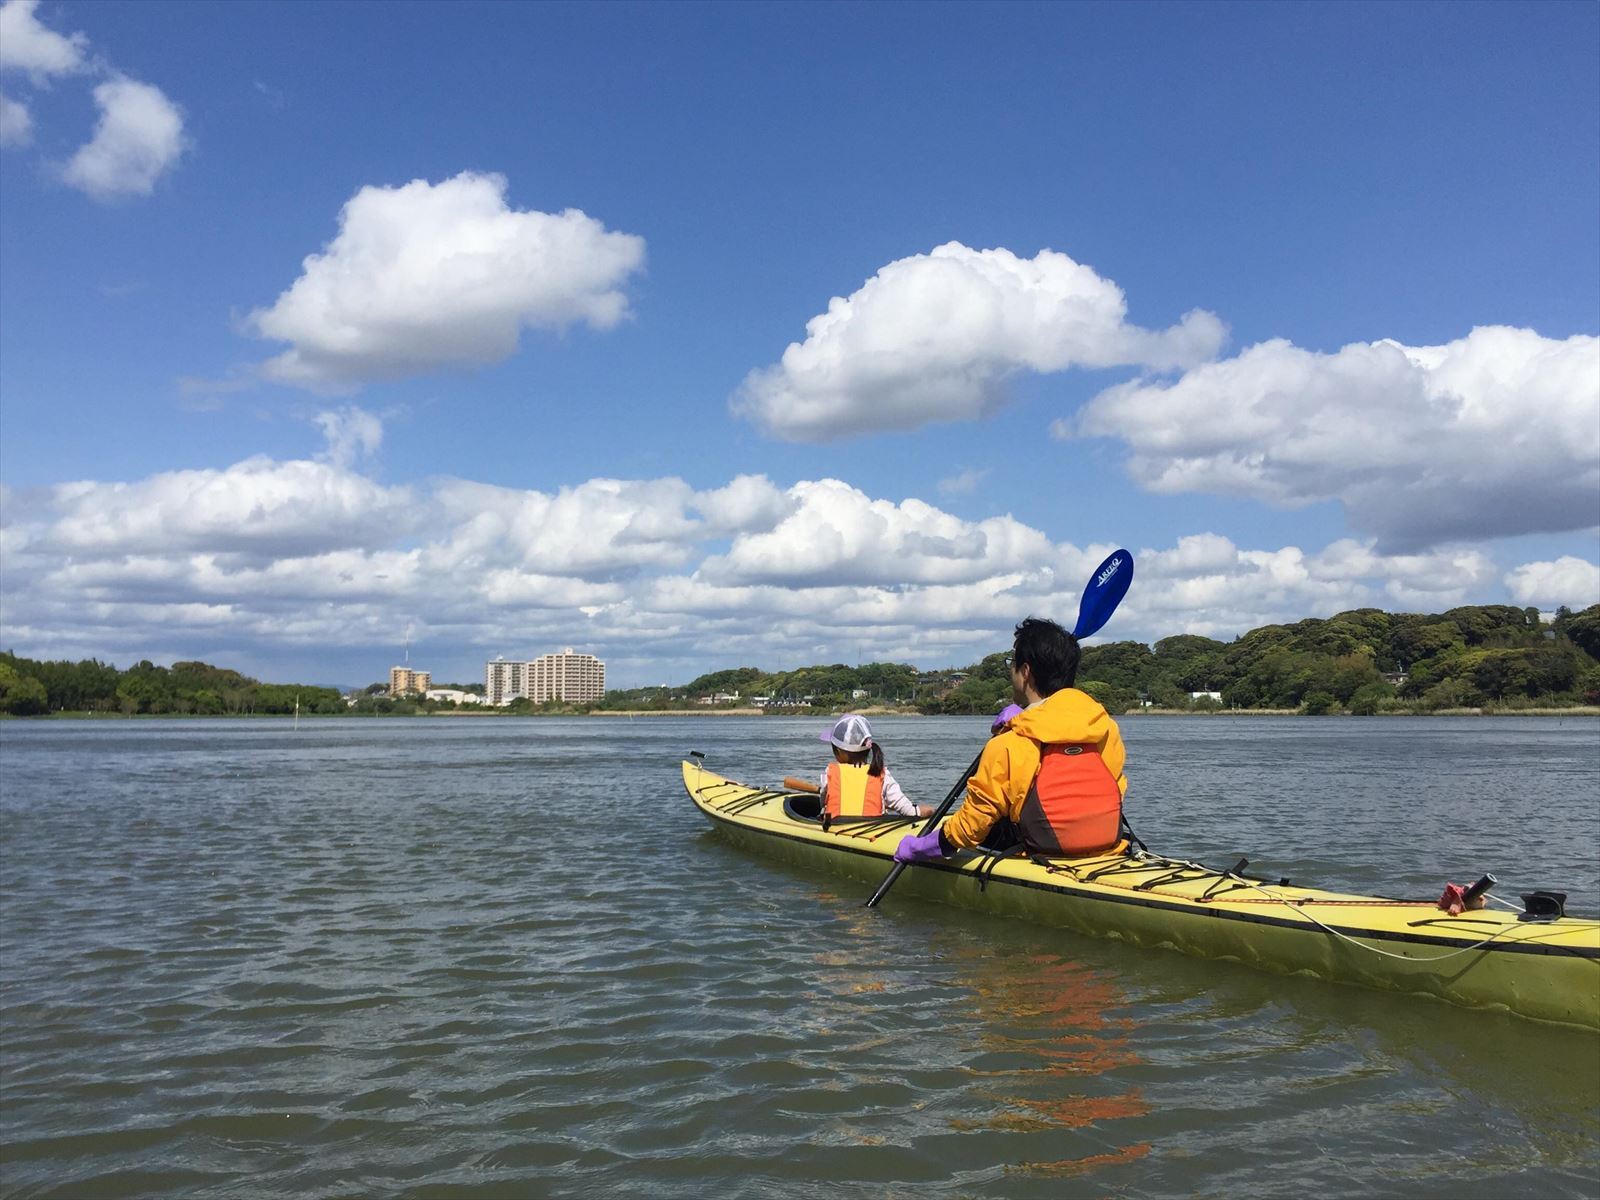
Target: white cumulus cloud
[1495,434]
[27,45]
[308,569]
[256,507]
[139,137]
[600,529]
[353,433]
[16,122]
[837,534]
[1569,580]
[750,503]
[1206,584]
[935,337]
[429,275]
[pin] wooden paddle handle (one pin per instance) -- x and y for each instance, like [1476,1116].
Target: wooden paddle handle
[800,785]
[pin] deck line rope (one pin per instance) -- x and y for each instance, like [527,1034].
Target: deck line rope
[1390,953]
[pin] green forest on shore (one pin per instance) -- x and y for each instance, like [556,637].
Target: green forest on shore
[1486,657]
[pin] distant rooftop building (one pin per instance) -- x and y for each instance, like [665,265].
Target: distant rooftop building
[454,695]
[403,681]
[565,676]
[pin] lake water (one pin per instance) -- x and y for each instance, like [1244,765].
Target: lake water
[491,958]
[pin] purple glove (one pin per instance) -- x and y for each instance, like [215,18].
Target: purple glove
[1003,718]
[919,847]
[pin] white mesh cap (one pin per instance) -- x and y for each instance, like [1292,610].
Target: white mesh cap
[850,733]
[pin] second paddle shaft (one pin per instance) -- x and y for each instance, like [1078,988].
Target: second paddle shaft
[933,823]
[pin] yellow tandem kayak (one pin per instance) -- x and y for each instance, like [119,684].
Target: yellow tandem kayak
[1548,970]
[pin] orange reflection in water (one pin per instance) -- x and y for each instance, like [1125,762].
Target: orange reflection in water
[1083,1166]
[1056,1013]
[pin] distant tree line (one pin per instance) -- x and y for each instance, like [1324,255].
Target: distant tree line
[829,687]
[1364,661]
[28,688]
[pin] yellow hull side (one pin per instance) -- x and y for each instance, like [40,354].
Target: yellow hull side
[1483,959]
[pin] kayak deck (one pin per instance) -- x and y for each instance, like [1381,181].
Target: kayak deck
[1547,970]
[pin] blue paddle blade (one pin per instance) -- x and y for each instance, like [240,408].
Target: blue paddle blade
[1103,593]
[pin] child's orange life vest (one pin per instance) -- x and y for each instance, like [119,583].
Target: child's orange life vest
[852,792]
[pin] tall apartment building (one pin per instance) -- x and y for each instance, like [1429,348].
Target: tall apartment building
[564,676]
[504,681]
[403,681]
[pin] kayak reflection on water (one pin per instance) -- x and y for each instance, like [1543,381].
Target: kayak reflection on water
[1034,1042]
[1051,1051]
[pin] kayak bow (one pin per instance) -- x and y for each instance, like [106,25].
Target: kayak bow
[1548,970]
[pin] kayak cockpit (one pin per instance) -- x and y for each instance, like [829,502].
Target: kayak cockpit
[802,806]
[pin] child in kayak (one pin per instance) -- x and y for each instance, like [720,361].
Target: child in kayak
[856,783]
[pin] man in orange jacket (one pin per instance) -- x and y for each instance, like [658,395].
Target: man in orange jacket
[1054,778]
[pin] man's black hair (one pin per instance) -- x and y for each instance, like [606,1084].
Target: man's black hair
[1050,650]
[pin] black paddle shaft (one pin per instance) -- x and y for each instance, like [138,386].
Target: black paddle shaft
[933,823]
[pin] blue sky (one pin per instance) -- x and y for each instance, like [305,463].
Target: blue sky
[867,330]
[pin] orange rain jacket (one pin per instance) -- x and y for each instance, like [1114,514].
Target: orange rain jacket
[1011,760]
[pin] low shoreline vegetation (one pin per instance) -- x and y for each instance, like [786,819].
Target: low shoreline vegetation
[1493,659]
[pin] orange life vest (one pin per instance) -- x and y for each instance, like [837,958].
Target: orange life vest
[1073,806]
[852,792]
